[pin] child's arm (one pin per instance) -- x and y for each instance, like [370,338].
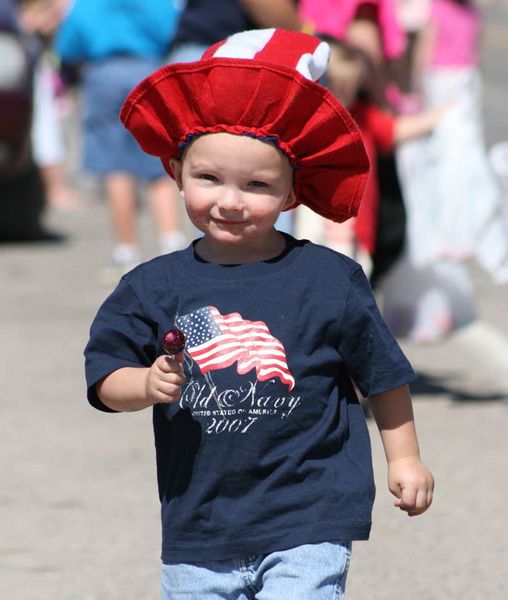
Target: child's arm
[131,389]
[408,478]
[409,127]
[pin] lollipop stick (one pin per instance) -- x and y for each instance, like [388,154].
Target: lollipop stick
[173,342]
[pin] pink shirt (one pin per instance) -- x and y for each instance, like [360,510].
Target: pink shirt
[457,29]
[334,16]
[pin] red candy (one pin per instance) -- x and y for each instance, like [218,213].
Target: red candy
[173,341]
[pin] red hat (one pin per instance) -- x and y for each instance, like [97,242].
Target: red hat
[259,83]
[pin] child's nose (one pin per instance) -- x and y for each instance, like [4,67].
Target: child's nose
[231,198]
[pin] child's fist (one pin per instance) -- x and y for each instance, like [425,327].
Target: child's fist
[412,483]
[165,379]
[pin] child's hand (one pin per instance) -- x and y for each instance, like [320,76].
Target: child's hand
[165,379]
[412,483]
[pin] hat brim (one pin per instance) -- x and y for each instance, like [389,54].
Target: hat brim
[240,96]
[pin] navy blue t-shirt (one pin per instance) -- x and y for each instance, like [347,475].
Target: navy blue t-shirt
[209,21]
[268,447]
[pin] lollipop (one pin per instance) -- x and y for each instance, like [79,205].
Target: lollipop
[173,341]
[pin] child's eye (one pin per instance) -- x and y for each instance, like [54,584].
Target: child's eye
[258,184]
[207,177]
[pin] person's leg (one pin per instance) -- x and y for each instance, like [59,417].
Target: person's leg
[120,191]
[163,197]
[215,580]
[316,571]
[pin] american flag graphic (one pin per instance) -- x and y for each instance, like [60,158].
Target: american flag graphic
[216,341]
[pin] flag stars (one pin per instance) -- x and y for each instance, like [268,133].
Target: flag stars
[199,327]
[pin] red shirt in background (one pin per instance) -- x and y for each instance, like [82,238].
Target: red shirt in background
[377,127]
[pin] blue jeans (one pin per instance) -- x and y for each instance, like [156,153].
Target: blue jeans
[309,572]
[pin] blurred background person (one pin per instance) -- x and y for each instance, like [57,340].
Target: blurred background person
[454,205]
[447,65]
[22,193]
[347,77]
[117,44]
[40,18]
[373,27]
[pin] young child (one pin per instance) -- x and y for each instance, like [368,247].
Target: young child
[263,455]
[347,74]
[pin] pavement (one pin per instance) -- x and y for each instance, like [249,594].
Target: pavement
[79,514]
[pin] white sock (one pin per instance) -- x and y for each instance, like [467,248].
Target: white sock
[126,254]
[171,241]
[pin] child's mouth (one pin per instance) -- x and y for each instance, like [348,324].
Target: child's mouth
[229,222]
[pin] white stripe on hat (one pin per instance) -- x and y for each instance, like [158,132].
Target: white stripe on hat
[272,45]
[312,66]
[245,44]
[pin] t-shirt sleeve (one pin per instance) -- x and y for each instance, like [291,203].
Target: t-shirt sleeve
[370,352]
[120,336]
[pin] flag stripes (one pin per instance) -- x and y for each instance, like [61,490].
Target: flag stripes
[217,341]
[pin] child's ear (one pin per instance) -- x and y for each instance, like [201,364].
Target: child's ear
[291,199]
[176,167]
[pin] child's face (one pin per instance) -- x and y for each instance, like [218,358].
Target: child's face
[344,79]
[234,187]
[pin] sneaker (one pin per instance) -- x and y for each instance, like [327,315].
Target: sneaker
[125,258]
[124,254]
